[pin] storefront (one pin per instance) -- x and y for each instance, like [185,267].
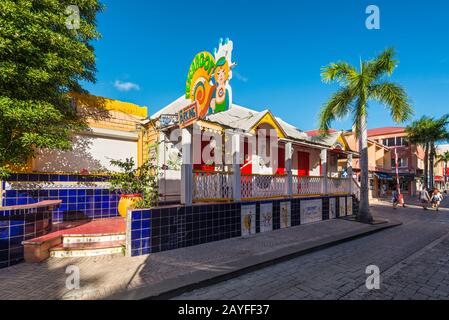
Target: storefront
[382,184]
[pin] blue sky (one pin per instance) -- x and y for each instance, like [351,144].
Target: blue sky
[279,47]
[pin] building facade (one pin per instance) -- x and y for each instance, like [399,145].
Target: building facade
[379,166]
[410,158]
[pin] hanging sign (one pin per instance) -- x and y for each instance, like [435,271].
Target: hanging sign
[188,115]
[208,79]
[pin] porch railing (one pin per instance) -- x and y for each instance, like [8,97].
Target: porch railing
[218,186]
[212,185]
[338,185]
[263,186]
[307,185]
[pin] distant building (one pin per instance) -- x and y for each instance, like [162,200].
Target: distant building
[380,174]
[410,158]
[440,176]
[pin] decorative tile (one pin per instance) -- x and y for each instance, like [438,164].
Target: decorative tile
[266,217]
[311,210]
[248,220]
[285,214]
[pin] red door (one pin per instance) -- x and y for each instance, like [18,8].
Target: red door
[203,166]
[281,161]
[303,163]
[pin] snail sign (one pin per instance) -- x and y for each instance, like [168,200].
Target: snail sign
[208,80]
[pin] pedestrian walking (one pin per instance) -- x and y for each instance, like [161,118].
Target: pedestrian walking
[425,198]
[437,197]
[395,198]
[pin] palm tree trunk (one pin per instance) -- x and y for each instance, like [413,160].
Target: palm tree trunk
[431,164]
[364,213]
[426,165]
[445,175]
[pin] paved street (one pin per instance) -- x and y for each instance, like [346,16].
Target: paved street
[413,260]
[120,277]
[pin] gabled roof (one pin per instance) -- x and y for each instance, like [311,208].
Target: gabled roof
[173,107]
[236,117]
[331,139]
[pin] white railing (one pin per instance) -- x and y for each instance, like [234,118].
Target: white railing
[212,185]
[218,186]
[306,185]
[263,186]
[338,185]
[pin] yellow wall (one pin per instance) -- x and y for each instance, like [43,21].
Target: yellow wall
[105,113]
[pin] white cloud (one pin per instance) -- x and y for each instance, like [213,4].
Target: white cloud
[126,86]
[240,77]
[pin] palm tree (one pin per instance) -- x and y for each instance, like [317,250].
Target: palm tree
[444,158]
[438,133]
[358,87]
[427,131]
[418,134]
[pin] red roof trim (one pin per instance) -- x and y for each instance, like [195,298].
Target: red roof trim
[385,131]
[316,132]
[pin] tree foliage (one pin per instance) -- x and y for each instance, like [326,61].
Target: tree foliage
[427,131]
[359,86]
[41,61]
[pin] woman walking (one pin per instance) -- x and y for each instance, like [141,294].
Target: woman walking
[437,197]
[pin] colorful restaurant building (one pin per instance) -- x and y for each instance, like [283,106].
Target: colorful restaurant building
[225,170]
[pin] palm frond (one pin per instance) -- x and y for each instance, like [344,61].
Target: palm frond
[393,96]
[384,64]
[338,107]
[340,71]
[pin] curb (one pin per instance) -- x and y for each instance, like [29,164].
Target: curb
[199,279]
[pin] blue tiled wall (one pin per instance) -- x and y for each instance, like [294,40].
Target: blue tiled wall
[160,229]
[17,226]
[83,200]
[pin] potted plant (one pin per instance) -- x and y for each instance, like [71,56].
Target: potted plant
[138,186]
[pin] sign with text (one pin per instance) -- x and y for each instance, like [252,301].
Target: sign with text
[188,115]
